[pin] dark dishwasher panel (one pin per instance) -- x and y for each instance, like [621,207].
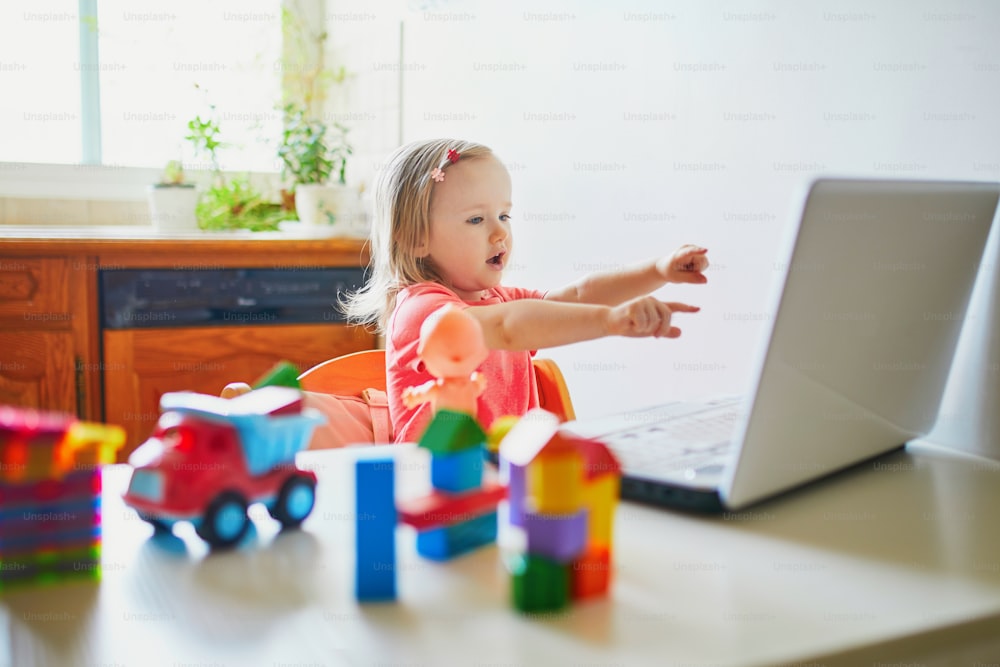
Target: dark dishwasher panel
[167,298]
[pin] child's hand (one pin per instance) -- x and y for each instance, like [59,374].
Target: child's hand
[685,265]
[647,316]
[234,389]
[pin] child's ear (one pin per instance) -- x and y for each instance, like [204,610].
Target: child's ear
[422,249]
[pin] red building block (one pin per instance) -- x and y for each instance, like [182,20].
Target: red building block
[444,509]
[590,575]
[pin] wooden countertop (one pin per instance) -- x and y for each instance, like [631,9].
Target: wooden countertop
[120,247]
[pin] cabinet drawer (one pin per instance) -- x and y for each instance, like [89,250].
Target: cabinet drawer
[35,292]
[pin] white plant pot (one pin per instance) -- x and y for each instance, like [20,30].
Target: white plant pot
[336,205]
[171,208]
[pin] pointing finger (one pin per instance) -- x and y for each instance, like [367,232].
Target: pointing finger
[682,307]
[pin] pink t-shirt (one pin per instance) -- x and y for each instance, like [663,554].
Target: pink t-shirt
[510,381]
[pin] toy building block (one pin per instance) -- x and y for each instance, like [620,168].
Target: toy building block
[555,485]
[282,374]
[50,485]
[538,584]
[590,574]
[555,479]
[449,432]
[456,539]
[528,436]
[514,477]
[458,472]
[560,538]
[511,539]
[598,460]
[600,497]
[439,509]
[518,449]
[499,429]
[375,541]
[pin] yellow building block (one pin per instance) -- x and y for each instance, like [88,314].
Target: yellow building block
[555,483]
[600,497]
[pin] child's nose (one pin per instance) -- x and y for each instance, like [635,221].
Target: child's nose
[499,233]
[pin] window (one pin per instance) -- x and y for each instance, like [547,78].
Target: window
[129,76]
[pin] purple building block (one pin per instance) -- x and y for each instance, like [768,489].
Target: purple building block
[516,480]
[557,537]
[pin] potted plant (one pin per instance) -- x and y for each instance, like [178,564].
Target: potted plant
[314,158]
[232,203]
[172,201]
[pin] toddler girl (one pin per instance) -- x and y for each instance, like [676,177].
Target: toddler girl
[441,235]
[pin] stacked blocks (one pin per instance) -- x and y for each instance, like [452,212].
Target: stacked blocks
[460,514]
[557,521]
[50,495]
[375,541]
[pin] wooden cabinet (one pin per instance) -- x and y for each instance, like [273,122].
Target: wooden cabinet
[143,364]
[47,353]
[55,354]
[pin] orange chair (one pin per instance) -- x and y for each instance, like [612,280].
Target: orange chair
[351,374]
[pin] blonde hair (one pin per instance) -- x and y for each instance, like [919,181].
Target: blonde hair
[401,222]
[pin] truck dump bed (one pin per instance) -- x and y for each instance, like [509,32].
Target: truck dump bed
[271,423]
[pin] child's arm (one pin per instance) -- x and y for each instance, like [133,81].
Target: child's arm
[532,324]
[685,265]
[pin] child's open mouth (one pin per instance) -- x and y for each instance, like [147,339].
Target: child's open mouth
[496,261]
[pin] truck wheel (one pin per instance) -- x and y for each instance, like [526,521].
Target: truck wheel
[295,501]
[158,525]
[225,521]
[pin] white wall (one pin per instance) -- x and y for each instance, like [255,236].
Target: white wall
[631,128]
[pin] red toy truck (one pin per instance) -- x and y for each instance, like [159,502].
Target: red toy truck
[209,458]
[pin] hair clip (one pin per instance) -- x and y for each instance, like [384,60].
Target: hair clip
[437,175]
[453,155]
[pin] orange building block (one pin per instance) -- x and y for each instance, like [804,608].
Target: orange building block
[590,575]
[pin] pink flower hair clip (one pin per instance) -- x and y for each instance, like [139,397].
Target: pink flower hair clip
[437,174]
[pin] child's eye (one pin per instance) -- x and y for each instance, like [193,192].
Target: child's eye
[475,220]
[505,217]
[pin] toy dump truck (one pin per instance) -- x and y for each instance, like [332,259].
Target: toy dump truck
[210,458]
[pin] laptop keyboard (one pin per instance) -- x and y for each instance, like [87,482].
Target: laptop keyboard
[677,437]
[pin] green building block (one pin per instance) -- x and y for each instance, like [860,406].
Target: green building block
[282,374]
[47,568]
[451,432]
[538,584]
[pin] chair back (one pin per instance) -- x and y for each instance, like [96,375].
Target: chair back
[351,374]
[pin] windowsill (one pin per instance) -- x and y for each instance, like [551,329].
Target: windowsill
[83,195]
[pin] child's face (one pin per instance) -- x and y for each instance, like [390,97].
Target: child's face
[470,238]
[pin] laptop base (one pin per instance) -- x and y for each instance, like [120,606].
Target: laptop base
[648,492]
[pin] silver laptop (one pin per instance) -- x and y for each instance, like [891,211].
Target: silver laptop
[864,327]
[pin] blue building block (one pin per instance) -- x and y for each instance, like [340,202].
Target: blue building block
[458,472]
[375,542]
[451,541]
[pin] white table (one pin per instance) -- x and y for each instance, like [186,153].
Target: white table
[895,562]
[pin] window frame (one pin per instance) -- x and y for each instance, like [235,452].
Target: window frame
[89,179]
